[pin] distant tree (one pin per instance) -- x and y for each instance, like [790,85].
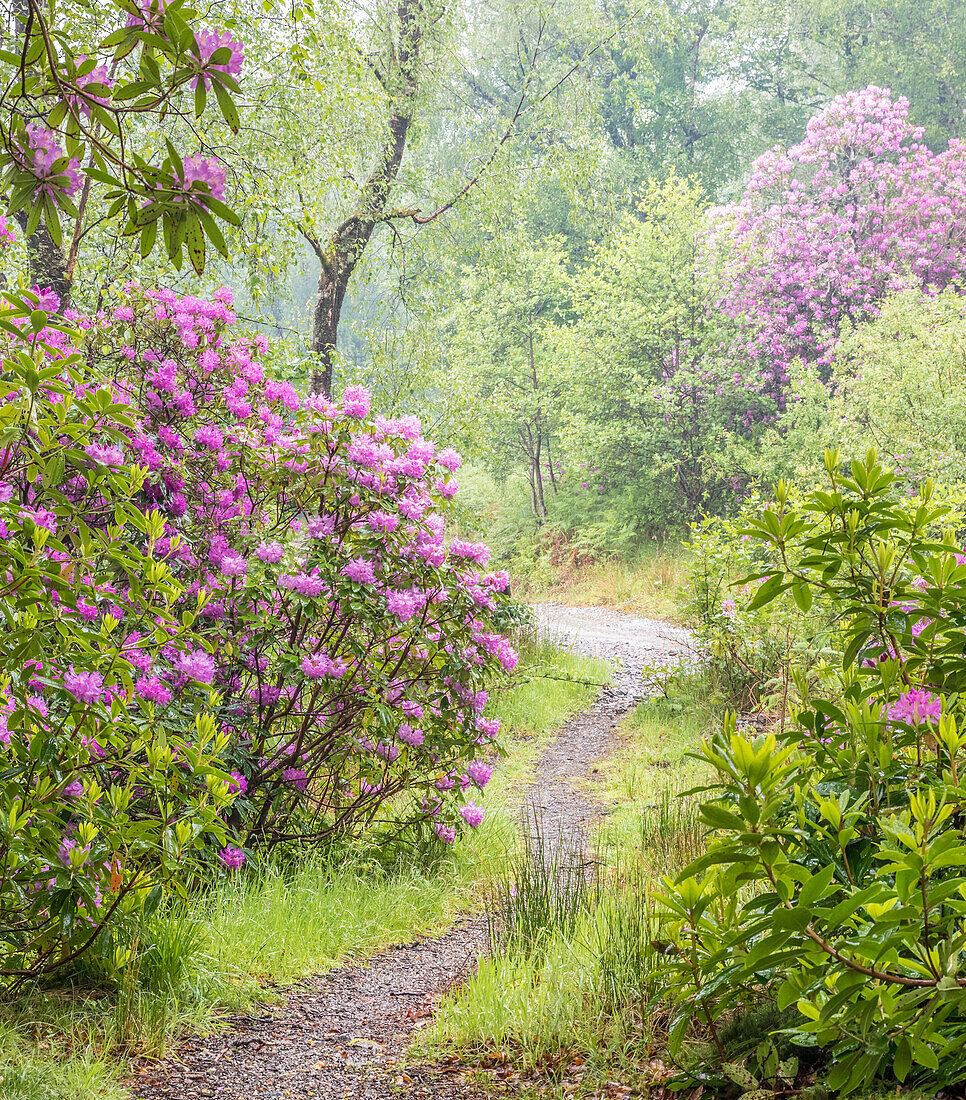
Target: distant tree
[500,358]
[859,209]
[650,406]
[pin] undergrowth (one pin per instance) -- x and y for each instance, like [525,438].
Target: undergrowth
[570,993]
[645,584]
[191,965]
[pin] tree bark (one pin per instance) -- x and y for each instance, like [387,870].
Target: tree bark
[553,475]
[538,472]
[48,262]
[339,258]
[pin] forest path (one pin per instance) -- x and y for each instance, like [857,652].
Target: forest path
[344,1035]
[633,645]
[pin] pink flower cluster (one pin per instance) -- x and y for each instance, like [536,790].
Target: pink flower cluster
[204,170]
[99,75]
[858,209]
[208,43]
[915,707]
[39,156]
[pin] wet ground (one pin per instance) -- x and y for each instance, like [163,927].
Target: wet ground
[344,1035]
[635,646]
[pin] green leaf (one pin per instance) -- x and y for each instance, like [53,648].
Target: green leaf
[149,234]
[56,115]
[767,591]
[854,647]
[816,887]
[719,818]
[195,241]
[222,211]
[33,219]
[214,233]
[802,595]
[229,112]
[52,221]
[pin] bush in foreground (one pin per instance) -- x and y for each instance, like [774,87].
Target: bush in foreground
[105,798]
[202,561]
[834,880]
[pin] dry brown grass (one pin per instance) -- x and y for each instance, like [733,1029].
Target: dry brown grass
[646,587]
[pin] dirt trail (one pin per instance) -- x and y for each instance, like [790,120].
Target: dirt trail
[341,1035]
[633,645]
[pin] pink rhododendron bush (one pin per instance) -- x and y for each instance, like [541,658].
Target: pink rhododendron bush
[235,618]
[105,797]
[859,209]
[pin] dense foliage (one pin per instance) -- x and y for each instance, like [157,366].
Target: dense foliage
[652,377]
[201,562]
[350,642]
[105,796]
[832,879]
[76,89]
[637,265]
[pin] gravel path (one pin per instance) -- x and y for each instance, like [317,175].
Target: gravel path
[335,1036]
[344,1035]
[634,645]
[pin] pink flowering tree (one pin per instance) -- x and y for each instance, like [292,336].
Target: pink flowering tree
[350,643]
[860,208]
[72,105]
[235,618]
[106,798]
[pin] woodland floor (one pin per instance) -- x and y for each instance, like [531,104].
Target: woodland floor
[345,1034]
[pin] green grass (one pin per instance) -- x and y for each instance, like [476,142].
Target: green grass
[575,971]
[573,976]
[638,785]
[192,965]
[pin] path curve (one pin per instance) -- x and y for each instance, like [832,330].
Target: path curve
[634,645]
[341,1035]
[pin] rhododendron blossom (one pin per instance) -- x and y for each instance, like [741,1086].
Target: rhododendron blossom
[84,686]
[41,156]
[232,858]
[860,208]
[479,772]
[208,43]
[916,706]
[472,814]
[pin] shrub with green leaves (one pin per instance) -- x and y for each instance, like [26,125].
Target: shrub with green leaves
[751,651]
[177,519]
[834,882]
[104,798]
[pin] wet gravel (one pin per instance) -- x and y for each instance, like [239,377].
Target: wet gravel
[345,1034]
[636,647]
[337,1036]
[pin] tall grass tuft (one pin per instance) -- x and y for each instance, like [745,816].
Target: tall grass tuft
[671,833]
[546,893]
[576,960]
[627,931]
